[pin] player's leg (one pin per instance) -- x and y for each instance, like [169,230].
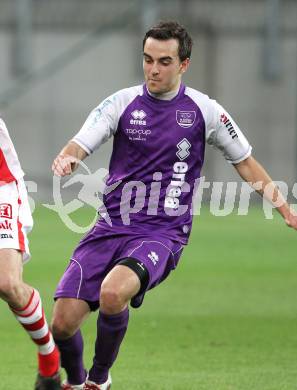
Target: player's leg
[151,263]
[16,222]
[12,288]
[119,286]
[89,264]
[68,315]
[25,303]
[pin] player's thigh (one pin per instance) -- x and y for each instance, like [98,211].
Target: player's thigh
[120,284]
[11,267]
[68,316]
[159,255]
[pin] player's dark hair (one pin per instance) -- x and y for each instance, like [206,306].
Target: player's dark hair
[165,30]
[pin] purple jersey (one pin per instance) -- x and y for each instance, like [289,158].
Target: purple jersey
[158,153]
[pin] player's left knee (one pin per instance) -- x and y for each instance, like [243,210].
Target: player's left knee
[111,299]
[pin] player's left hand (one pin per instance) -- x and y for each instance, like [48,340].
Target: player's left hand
[291,219]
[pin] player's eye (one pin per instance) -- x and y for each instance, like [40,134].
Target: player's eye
[148,60]
[166,62]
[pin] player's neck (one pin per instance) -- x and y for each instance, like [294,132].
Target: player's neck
[166,95]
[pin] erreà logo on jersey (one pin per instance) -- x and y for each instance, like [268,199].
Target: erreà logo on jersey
[138,118]
[226,121]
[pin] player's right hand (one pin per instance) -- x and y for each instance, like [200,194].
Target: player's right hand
[64,165]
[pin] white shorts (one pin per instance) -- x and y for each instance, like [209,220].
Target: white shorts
[15,217]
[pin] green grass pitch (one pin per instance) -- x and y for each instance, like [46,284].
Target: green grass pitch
[226,319]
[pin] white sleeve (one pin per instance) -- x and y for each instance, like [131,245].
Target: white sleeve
[223,133]
[100,125]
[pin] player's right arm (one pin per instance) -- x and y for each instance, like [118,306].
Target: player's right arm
[68,159]
[100,125]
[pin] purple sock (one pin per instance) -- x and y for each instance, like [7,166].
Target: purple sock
[72,358]
[111,330]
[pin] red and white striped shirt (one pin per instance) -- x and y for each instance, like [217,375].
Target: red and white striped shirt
[10,167]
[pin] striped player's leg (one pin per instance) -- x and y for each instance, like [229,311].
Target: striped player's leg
[25,303]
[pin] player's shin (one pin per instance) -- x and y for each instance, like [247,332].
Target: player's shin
[33,320]
[71,350]
[111,330]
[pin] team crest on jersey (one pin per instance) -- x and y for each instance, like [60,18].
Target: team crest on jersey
[185,118]
[5,210]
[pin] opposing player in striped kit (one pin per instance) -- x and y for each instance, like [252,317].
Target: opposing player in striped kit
[159,134]
[23,300]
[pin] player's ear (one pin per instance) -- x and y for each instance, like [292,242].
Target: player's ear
[184,65]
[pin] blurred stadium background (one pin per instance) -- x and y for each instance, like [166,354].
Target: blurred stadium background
[60,58]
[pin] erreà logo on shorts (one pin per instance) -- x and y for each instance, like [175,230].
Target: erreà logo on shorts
[153,257]
[138,118]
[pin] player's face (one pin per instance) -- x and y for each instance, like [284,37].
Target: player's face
[162,66]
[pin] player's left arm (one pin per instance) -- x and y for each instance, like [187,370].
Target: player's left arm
[252,172]
[224,134]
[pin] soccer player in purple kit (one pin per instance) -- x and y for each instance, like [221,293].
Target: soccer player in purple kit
[160,130]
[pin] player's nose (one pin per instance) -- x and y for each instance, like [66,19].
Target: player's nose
[155,69]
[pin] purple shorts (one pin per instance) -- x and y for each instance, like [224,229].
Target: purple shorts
[100,250]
